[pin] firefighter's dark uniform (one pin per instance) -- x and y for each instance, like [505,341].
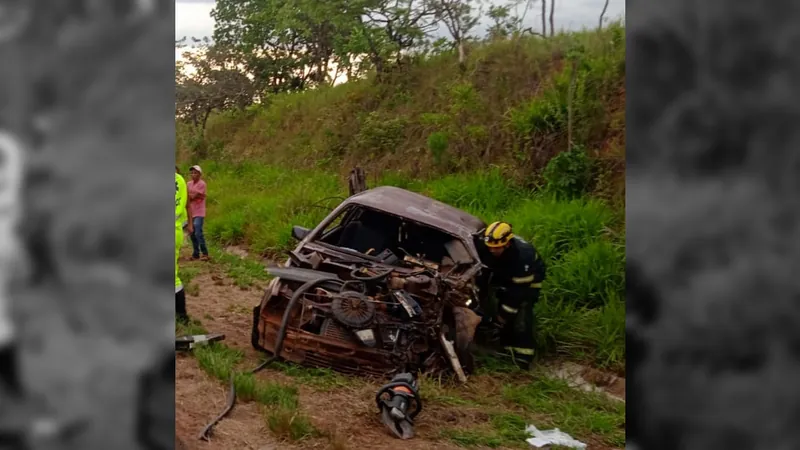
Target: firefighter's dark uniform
[517,277]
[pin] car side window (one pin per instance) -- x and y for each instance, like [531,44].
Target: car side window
[331,231]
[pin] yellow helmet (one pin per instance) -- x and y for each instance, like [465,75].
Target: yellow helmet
[497,234]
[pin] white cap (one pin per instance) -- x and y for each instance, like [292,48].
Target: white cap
[197,168]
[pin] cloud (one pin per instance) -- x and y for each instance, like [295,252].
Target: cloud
[193,18]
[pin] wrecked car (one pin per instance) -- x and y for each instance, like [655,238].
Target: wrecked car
[385,284]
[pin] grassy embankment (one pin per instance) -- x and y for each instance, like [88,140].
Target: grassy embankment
[492,141]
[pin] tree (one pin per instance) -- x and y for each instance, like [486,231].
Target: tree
[296,44]
[503,22]
[544,17]
[388,29]
[602,13]
[207,79]
[460,17]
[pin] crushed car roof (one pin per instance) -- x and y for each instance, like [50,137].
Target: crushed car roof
[425,210]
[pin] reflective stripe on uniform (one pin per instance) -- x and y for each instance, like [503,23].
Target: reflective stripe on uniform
[524,280]
[520,350]
[178,288]
[537,285]
[509,309]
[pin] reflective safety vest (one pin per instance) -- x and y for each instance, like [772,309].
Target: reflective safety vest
[181,197]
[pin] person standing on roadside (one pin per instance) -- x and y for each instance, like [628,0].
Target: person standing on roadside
[197,198]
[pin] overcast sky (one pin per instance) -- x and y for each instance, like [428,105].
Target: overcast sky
[192,17]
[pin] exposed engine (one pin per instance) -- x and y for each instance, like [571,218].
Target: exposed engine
[397,318]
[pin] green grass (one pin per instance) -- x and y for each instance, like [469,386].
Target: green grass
[578,413]
[218,360]
[249,388]
[281,407]
[192,328]
[581,310]
[534,399]
[245,273]
[259,204]
[290,424]
[318,378]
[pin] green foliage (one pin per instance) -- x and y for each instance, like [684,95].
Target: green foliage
[542,115]
[504,23]
[290,44]
[588,81]
[557,227]
[380,134]
[476,132]
[437,144]
[586,277]
[569,173]
[244,205]
[465,98]
[482,193]
[508,108]
[214,83]
[434,119]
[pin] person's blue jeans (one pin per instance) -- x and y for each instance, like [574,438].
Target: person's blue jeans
[198,239]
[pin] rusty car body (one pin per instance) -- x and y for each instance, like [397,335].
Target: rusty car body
[391,278]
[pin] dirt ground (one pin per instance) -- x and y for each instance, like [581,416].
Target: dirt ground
[347,415]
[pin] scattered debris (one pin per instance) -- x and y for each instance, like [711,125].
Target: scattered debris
[542,438]
[186,343]
[590,380]
[236,250]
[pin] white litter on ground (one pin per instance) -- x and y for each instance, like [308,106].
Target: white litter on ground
[552,437]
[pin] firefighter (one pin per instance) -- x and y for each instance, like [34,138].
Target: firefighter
[517,273]
[182,215]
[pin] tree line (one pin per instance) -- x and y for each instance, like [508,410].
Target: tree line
[266,47]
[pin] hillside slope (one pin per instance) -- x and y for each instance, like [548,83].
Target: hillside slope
[510,108]
[492,141]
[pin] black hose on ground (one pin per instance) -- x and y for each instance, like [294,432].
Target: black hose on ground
[204,435]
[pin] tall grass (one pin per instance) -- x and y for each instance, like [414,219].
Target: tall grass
[581,312]
[509,108]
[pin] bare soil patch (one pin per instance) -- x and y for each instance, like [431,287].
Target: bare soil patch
[346,415]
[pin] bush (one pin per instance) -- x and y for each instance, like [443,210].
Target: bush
[378,134]
[438,142]
[543,115]
[569,173]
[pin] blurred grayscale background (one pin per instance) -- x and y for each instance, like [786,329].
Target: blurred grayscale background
[86,97]
[713,247]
